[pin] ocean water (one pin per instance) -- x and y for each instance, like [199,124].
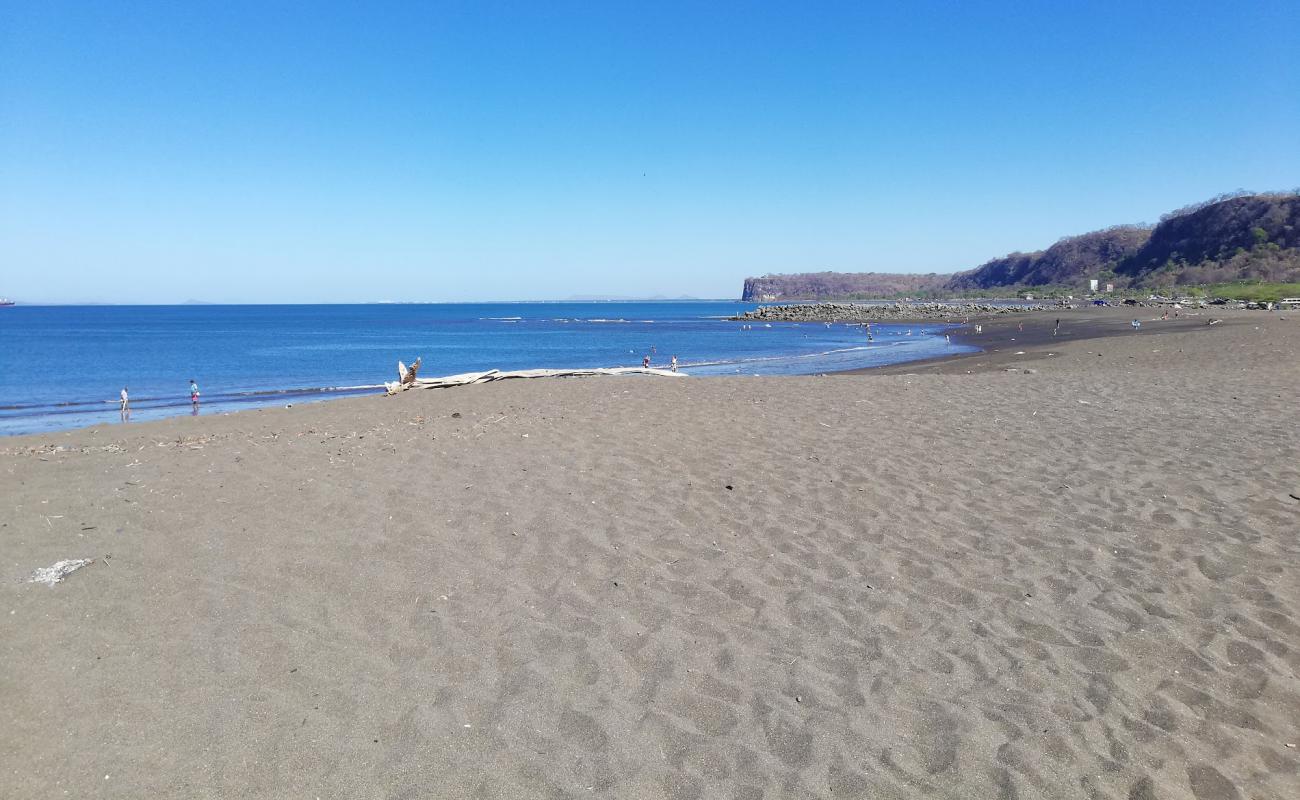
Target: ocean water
[63,366]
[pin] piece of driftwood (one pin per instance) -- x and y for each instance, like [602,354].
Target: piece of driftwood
[405,374]
[467,378]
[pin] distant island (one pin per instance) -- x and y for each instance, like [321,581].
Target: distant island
[1240,237]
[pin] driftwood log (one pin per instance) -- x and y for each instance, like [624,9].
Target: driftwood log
[466,378]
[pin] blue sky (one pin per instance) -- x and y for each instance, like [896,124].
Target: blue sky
[303,152]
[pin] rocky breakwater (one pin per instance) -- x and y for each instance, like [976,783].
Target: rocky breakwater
[872,312]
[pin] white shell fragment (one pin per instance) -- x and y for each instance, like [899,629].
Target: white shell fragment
[57,572]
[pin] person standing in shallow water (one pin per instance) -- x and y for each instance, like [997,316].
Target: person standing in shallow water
[194,392]
[125,409]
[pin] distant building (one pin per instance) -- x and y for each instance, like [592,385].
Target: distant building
[1110,287]
[1092,285]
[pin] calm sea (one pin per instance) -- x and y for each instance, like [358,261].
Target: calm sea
[63,366]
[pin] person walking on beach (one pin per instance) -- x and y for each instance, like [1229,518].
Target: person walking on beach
[672,365]
[125,409]
[645,363]
[1056,327]
[194,393]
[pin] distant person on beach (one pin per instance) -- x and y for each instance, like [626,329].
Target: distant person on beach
[1056,327]
[194,392]
[645,363]
[125,409]
[673,364]
[1136,324]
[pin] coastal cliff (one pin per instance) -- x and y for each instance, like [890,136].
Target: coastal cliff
[1243,237]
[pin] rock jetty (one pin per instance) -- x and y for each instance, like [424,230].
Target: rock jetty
[871,312]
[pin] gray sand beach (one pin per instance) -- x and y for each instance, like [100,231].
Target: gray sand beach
[1073,575]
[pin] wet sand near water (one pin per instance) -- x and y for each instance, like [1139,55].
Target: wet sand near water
[1016,338]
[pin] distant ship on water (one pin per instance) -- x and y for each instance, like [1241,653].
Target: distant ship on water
[5,301]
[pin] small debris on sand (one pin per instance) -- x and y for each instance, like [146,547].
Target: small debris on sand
[57,572]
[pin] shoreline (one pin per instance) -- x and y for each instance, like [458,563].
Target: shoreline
[1001,343]
[150,409]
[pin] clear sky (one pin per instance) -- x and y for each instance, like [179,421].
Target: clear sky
[303,152]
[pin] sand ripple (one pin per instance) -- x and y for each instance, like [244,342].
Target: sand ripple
[886,587]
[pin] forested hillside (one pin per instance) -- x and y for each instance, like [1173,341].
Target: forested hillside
[1071,260]
[1230,238]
